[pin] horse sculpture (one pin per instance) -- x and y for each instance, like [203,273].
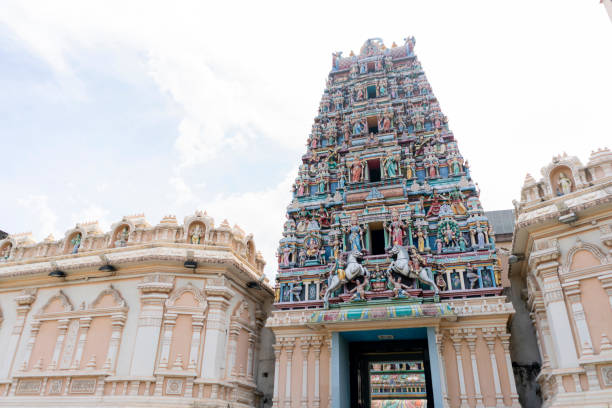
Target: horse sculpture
[352,270]
[402,266]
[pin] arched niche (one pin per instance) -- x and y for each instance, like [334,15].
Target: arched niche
[6,249]
[555,177]
[196,232]
[121,235]
[57,303]
[74,236]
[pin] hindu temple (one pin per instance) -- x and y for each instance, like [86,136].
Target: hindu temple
[389,285]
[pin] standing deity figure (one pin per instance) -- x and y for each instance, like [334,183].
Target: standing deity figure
[449,236]
[378,65]
[363,68]
[286,255]
[382,88]
[390,166]
[420,237]
[300,187]
[322,184]
[565,184]
[480,236]
[314,141]
[341,177]
[197,234]
[336,59]
[122,237]
[353,71]
[355,234]
[419,121]
[302,257]
[357,129]
[396,229]
[491,234]
[76,243]
[357,171]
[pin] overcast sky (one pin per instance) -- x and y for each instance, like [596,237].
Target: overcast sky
[115,108]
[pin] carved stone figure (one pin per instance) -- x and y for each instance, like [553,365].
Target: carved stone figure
[355,234]
[76,243]
[396,229]
[197,234]
[390,166]
[122,237]
[357,171]
[565,184]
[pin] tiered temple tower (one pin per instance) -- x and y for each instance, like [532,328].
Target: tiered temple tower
[387,247]
[382,169]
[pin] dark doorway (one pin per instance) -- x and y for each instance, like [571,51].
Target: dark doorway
[388,372]
[377,237]
[372,125]
[374,170]
[371,91]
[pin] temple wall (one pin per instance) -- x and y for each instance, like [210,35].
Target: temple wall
[150,331]
[563,274]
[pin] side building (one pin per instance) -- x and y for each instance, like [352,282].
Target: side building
[389,287]
[162,316]
[562,280]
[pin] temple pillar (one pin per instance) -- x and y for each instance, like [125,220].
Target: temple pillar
[251,355]
[289,346]
[215,354]
[456,338]
[584,336]
[84,323]
[305,346]
[316,348]
[168,329]
[232,349]
[197,322]
[442,365]
[499,397]
[59,343]
[278,348]
[24,304]
[154,291]
[471,342]
[505,340]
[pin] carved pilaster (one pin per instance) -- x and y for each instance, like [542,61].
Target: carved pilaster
[440,343]
[305,346]
[471,338]
[84,323]
[490,338]
[457,340]
[573,295]
[505,341]
[316,348]
[289,346]
[24,304]
[278,348]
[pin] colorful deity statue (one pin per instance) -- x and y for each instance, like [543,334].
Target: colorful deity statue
[122,237]
[399,289]
[390,166]
[322,183]
[341,177]
[409,43]
[565,184]
[76,243]
[355,234]
[357,171]
[357,127]
[382,88]
[420,238]
[457,202]
[359,291]
[286,255]
[396,229]
[6,252]
[472,276]
[196,234]
[418,121]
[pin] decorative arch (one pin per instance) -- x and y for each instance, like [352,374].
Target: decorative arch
[117,230]
[7,248]
[119,300]
[570,164]
[205,222]
[61,296]
[70,234]
[583,246]
[178,293]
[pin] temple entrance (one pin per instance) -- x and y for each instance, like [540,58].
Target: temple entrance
[390,374]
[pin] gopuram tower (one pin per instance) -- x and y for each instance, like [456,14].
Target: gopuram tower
[388,291]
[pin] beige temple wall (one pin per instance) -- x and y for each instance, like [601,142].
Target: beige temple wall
[563,247]
[152,333]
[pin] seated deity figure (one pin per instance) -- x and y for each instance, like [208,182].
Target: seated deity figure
[565,184]
[399,289]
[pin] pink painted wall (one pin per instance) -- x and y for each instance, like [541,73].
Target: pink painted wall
[98,338]
[181,340]
[44,345]
[597,310]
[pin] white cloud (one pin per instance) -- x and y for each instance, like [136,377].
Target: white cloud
[257,212]
[39,209]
